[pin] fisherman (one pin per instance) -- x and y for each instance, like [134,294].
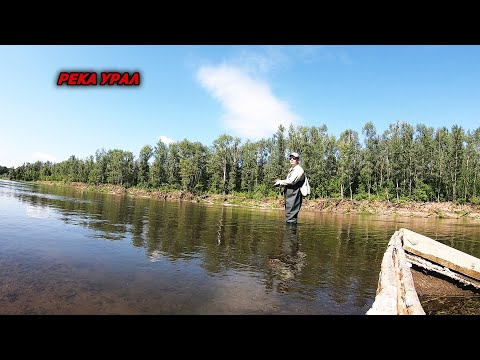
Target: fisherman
[292,193]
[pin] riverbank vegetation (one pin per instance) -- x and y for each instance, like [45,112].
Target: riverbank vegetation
[442,210]
[403,165]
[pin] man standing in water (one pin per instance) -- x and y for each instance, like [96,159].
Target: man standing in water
[293,183]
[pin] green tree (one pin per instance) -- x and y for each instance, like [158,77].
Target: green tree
[219,163]
[143,167]
[233,175]
[277,164]
[440,158]
[423,159]
[348,162]
[172,166]
[192,165]
[371,154]
[455,158]
[158,171]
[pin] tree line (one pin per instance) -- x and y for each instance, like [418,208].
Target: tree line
[403,163]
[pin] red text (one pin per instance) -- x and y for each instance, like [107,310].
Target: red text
[77,78]
[115,78]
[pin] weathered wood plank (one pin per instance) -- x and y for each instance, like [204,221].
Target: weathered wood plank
[386,298]
[439,253]
[455,276]
[395,292]
[409,299]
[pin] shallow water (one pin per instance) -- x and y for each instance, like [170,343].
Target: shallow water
[68,251]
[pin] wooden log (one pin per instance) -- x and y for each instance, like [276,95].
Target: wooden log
[385,299]
[409,298]
[396,294]
[393,297]
[401,307]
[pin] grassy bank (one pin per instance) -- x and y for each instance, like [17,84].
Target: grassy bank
[447,210]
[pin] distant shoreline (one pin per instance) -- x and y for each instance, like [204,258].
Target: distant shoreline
[443,210]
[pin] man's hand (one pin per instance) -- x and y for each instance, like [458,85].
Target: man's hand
[277,183]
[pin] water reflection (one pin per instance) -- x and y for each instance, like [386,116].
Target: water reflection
[291,261]
[39,212]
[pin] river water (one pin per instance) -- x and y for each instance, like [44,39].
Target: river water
[69,251]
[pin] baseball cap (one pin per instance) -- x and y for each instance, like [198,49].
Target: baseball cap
[295,154]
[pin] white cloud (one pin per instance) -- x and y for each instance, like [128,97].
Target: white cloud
[39,156]
[273,58]
[166,140]
[250,108]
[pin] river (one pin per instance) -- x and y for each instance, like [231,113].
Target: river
[65,250]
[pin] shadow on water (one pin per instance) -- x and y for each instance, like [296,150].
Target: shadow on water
[70,251]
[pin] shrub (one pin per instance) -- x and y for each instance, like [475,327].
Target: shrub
[423,192]
[475,200]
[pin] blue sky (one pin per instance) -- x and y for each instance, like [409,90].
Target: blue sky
[198,92]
